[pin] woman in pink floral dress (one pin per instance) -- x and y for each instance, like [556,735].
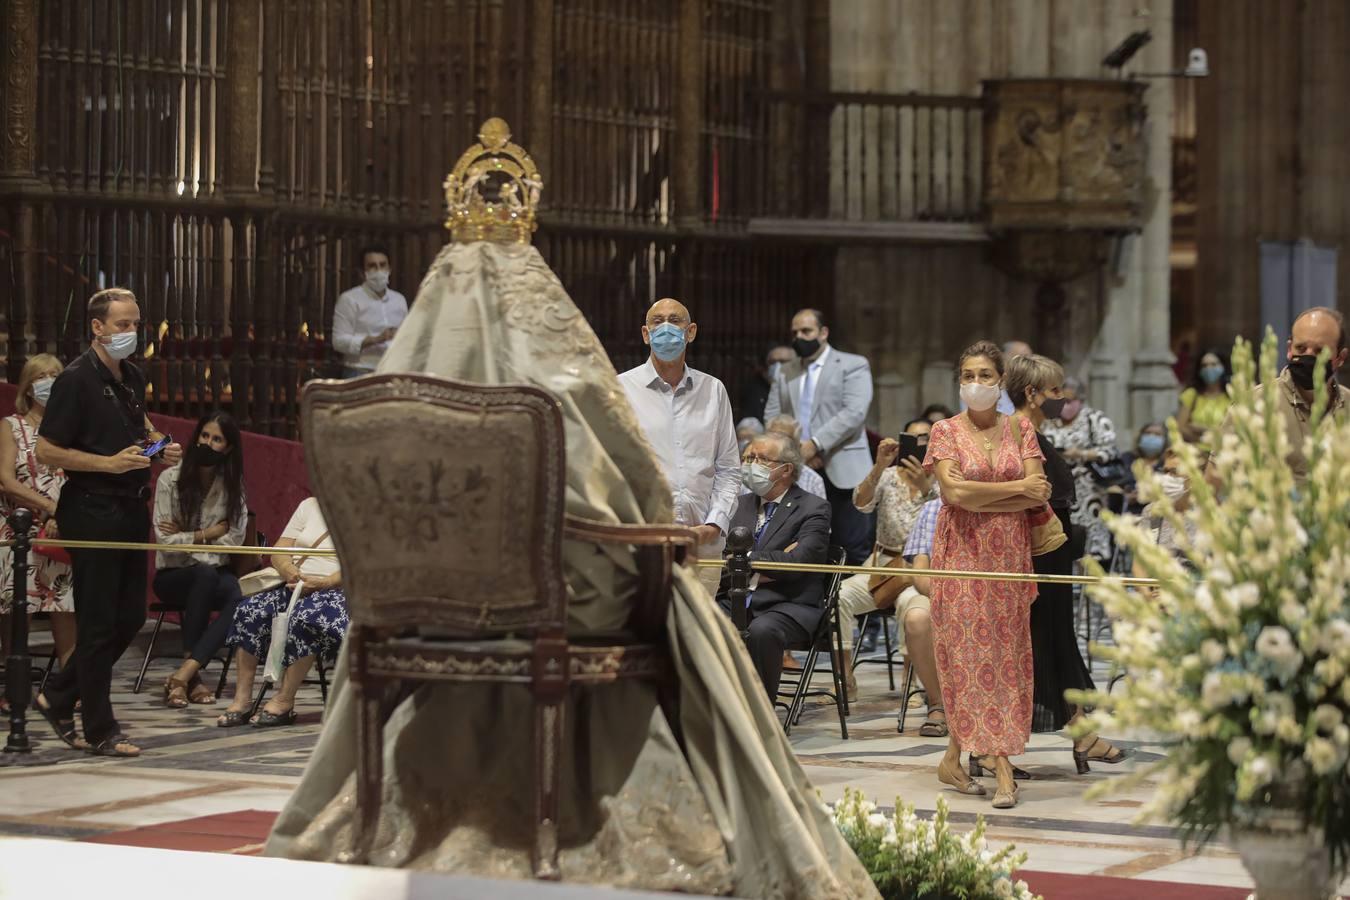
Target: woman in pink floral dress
[27,482]
[990,470]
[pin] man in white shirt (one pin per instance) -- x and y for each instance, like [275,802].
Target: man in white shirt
[686,416]
[367,316]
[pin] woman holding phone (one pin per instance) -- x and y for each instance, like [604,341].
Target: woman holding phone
[896,490]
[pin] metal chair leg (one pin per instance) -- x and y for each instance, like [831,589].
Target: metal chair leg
[904,698]
[323,679]
[890,654]
[145,664]
[258,701]
[224,672]
[47,673]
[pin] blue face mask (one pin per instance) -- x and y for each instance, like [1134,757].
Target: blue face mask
[668,341]
[1151,445]
[1211,374]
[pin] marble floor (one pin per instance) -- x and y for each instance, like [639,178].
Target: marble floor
[192,768]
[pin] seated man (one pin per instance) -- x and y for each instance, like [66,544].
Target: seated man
[912,610]
[789,525]
[808,479]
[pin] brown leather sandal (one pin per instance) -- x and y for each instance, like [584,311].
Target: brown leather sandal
[199,693]
[175,693]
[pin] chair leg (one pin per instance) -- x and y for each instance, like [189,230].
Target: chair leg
[47,672]
[370,754]
[258,701]
[904,698]
[145,664]
[323,679]
[548,733]
[798,703]
[840,692]
[837,662]
[224,672]
[890,654]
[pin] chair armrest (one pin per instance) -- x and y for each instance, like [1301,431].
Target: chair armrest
[659,549]
[680,537]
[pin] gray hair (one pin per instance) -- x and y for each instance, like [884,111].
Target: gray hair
[789,451]
[784,425]
[1075,384]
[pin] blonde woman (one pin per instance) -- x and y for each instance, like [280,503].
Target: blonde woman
[28,483]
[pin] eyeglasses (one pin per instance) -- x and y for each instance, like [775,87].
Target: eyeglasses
[761,459]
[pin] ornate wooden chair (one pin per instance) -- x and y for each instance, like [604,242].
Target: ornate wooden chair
[445,501]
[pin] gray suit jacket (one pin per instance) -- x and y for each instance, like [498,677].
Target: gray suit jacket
[838,411]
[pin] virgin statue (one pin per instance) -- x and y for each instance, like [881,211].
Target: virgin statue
[725,811]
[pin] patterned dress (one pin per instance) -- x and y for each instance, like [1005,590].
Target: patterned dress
[51,586]
[1090,430]
[983,629]
[318,623]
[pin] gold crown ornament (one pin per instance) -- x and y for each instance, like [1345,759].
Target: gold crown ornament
[493,191]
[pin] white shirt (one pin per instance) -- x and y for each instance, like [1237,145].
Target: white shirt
[807,401]
[214,508]
[308,530]
[692,433]
[809,480]
[360,314]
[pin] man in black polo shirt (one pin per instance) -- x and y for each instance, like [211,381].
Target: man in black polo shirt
[96,430]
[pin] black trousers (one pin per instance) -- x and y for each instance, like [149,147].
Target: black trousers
[1057,662]
[109,603]
[199,590]
[772,632]
[850,527]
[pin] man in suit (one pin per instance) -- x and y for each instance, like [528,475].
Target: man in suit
[829,392]
[789,525]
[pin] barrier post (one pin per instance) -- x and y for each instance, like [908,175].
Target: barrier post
[739,542]
[18,681]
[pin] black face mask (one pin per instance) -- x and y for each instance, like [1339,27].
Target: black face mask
[1052,407]
[208,456]
[1301,371]
[806,349]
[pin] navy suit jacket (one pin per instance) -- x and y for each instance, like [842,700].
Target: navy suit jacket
[803,519]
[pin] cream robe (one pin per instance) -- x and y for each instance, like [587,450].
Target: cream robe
[733,813]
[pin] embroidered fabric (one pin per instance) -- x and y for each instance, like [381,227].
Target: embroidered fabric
[730,813]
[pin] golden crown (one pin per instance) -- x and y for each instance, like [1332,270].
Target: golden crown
[493,191]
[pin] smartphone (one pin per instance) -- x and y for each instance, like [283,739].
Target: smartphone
[157,446]
[910,448]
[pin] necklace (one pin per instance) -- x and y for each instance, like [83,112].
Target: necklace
[982,433]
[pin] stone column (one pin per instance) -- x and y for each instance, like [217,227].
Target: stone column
[18,157]
[539,127]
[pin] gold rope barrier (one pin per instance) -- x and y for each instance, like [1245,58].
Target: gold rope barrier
[1021,577]
[935,573]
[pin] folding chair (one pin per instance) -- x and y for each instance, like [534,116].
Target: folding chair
[828,639]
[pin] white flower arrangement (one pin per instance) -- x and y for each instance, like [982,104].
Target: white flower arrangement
[1239,658]
[908,857]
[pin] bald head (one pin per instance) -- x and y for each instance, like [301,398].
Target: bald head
[669,310]
[674,328]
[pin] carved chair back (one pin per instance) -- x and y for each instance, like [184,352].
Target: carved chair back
[444,499]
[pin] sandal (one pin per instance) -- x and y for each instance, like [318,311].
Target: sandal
[64,728]
[199,693]
[175,693]
[267,719]
[984,765]
[1081,757]
[232,718]
[933,728]
[114,745]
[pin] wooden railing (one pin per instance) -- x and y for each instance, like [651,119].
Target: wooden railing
[874,158]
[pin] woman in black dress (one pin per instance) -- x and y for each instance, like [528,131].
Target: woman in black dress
[1033,384]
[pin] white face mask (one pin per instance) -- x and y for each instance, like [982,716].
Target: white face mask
[757,478]
[980,397]
[377,280]
[121,345]
[1174,486]
[42,390]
